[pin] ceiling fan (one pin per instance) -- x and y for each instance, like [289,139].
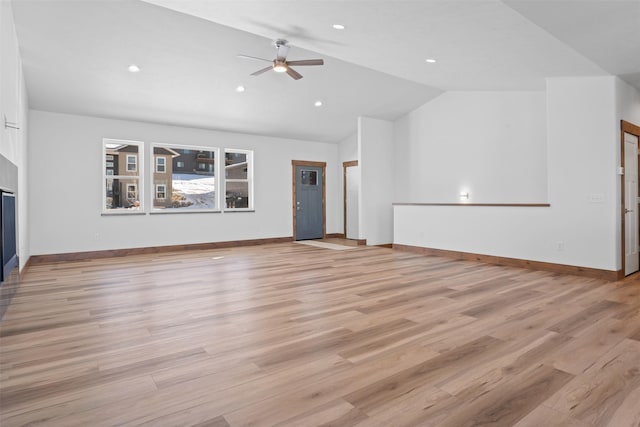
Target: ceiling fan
[280,64]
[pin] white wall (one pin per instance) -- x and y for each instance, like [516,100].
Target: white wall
[582,139]
[375,147]
[348,151]
[628,102]
[628,109]
[489,144]
[348,148]
[66,180]
[13,103]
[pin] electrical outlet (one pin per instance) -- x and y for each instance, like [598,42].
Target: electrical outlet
[596,198]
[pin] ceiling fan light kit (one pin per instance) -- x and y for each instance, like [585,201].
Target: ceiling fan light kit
[280,64]
[279,67]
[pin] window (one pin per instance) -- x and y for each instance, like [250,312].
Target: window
[191,183]
[132,162]
[121,175]
[238,180]
[132,191]
[308,177]
[161,164]
[181,178]
[161,191]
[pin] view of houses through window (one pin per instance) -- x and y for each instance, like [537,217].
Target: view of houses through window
[183,178]
[237,179]
[122,176]
[187,177]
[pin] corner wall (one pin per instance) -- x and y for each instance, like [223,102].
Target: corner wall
[66,180]
[375,149]
[628,109]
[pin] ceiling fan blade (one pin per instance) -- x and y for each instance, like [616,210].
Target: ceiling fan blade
[293,73]
[264,70]
[306,62]
[283,49]
[253,57]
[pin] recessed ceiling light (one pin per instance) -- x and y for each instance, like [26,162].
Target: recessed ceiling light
[338,27]
[430,60]
[240,88]
[133,68]
[318,104]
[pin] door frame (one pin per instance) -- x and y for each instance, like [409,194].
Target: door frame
[345,165]
[625,127]
[323,165]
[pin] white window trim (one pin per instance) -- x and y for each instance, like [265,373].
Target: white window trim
[135,163]
[163,191]
[139,176]
[219,182]
[135,191]
[164,165]
[249,180]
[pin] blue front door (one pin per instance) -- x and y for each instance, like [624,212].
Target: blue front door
[309,212]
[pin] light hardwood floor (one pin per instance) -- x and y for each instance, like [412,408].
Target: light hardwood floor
[288,334]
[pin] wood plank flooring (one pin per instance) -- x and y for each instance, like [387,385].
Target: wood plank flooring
[294,335]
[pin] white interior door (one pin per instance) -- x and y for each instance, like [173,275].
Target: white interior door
[353,188]
[631,259]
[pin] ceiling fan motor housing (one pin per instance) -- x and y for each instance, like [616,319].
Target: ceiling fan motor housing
[280,42]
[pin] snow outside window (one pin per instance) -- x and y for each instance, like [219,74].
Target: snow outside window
[189,179]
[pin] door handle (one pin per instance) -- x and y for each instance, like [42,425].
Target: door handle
[628,210]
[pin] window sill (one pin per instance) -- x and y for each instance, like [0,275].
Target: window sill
[182,211]
[121,213]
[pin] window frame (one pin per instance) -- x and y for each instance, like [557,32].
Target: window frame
[135,162]
[164,164]
[249,180]
[164,191]
[137,176]
[134,191]
[190,149]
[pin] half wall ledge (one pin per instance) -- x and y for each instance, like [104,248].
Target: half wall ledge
[518,205]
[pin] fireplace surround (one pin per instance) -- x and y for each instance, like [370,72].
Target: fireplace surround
[9,276]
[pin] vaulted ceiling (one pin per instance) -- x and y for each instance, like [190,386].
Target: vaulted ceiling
[75,57]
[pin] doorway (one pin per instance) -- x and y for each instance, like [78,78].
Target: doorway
[630,136]
[350,190]
[309,200]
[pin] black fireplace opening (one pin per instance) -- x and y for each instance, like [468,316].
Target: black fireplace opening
[8,251]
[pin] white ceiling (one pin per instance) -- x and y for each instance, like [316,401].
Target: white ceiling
[75,55]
